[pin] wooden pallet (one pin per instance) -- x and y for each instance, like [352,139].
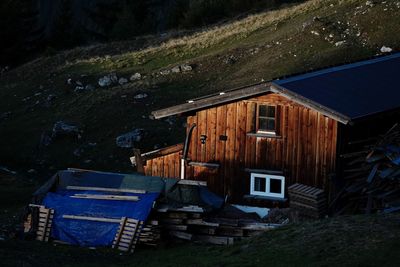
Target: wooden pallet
[307,200]
[128,234]
[45,223]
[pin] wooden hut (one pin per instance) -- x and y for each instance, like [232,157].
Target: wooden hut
[253,142]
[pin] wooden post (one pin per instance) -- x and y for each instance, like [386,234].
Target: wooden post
[139,160]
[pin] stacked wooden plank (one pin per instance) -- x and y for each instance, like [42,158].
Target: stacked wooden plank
[307,200]
[191,224]
[150,234]
[128,235]
[44,225]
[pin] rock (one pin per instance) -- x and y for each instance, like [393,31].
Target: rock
[230,60]
[315,33]
[45,139]
[89,87]
[165,72]
[186,67]
[79,89]
[135,77]
[340,43]
[369,3]
[88,161]
[176,69]
[62,128]
[108,80]
[141,96]
[385,49]
[105,81]
[122,81]
[69,81]
[31,171]
[127,140]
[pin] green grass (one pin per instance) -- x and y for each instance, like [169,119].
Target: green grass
[342,241]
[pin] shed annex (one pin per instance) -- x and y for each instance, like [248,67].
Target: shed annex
[254,142]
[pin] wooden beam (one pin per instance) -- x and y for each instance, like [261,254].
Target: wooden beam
[204,164]
[158,153]
[94,219]
[138,161]
[192,182]
[106,197]
[104,189]
[264,171]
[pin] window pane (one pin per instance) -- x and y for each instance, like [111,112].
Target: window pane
[262,110]
[259,184]
[271,112]
[275,186]
[262,124]
[271,124]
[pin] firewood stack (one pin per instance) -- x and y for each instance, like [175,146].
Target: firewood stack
[150,234]
[372,177]
[308,201]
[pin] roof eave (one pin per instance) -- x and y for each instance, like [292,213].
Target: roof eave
[211,101]
[275,88]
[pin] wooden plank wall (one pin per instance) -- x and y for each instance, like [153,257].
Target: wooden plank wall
[164,166]
[305,150]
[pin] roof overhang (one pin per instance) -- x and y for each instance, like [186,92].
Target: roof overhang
[247,92]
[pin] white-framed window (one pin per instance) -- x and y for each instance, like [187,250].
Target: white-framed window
[267,185]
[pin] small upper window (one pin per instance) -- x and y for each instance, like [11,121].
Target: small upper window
[266,119]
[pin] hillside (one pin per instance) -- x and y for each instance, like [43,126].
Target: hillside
[343,241]
[259,47]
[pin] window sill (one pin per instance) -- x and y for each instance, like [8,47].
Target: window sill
[265,135]
[265,198]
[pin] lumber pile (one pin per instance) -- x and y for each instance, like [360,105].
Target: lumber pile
[308,201]
[192,224]
[372,177]
[150,234]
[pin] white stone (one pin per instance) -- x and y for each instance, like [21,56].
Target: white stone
[186,67]
[176,69]
[135,77]
[385,49]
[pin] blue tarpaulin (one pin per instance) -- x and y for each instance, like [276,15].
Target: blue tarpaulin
[93,233]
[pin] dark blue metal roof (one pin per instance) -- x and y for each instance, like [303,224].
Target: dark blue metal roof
[354,90]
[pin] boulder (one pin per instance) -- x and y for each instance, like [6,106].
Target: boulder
[108,80]
[186,67]
[176,69]
[122,81]
[385,49]
[127,140]
[135,77]
[61,128]
[141,96]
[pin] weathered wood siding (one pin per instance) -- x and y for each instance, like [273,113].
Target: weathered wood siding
[164,166]
[305,148]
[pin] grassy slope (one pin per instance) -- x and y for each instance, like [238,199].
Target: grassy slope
[343,241]
[283,41]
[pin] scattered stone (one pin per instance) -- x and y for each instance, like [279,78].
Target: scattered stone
[176,69]
[79,89]
[122,81]
[230,60]
[79,83]
[127,140]
[105,81]
[62,128]
[88,161]
[141,96]
[186,67]
[369,3]
[108,80]
[31,171]
[385,49]
[165,72]
[89,87]
[340,43]
[135,77]
[315,33]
